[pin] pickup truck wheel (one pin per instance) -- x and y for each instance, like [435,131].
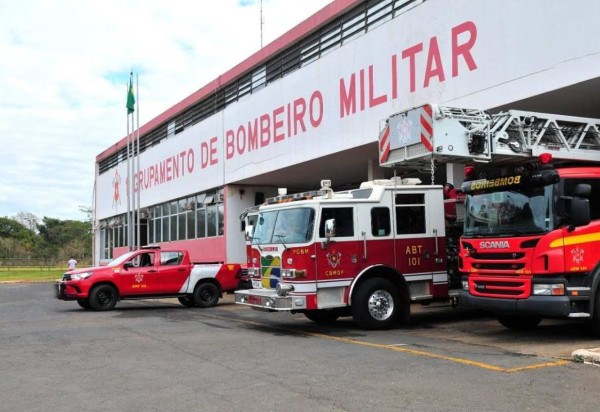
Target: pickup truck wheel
[376,304]
[323,315]
[103,297]
[84,303]
[206,295]
[518,322]
[187,301]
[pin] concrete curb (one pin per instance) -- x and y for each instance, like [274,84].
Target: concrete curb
[588,356]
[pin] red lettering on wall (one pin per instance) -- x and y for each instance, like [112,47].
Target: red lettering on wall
[348,97]
[374,101]
[278,135]
[283,122]
[434,63]
[465,48]
[411,52]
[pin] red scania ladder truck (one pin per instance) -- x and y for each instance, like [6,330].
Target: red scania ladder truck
[530,247]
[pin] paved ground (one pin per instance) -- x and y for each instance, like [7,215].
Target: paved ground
[157,356]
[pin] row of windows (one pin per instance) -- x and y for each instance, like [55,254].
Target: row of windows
[356,22]
[410,218]
[194,217]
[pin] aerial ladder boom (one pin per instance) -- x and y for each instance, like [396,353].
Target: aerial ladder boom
[423,134]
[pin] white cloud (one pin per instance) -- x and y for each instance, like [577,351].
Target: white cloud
[64,69]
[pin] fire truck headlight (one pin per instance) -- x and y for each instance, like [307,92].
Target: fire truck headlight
[283,290]
[465,285]
[551,289]
[252,272]
[293,273]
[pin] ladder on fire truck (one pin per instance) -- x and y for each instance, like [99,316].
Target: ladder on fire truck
[417,136]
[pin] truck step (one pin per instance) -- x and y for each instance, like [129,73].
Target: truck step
[579,315]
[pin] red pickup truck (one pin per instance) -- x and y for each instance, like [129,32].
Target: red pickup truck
[150,273]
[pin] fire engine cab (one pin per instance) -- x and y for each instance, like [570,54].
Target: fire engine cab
[367,252]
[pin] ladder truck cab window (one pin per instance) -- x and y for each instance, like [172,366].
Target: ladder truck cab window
[594,197]
[507,212]
[518,203]
[286,226]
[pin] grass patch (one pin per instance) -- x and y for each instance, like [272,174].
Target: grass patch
[31,274]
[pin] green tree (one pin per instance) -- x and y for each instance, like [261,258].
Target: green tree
[16,240]
[64,238]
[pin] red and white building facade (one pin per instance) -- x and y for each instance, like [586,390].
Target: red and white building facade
[310,105]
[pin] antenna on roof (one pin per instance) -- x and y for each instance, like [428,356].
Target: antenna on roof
[262,23]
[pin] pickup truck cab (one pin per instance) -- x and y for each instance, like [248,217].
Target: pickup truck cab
[150,273]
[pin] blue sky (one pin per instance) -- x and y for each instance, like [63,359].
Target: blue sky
[64,67]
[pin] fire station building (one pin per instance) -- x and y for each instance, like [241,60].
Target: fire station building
[310,105]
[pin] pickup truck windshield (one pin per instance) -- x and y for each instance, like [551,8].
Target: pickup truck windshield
[506,213]
[120,259]
[285,226]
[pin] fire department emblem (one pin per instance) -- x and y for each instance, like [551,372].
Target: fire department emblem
[116,183]
[404,129]
[139,278]
[334,259]
[577,255]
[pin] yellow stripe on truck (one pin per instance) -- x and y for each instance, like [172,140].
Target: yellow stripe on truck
[575,240]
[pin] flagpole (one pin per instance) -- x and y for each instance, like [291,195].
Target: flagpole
[137,93]
[128,185]
[132,181]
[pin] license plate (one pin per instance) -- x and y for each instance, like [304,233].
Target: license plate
[256,284]
[254,300]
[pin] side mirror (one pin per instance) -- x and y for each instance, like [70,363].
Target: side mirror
[248,232]
[127,265]
[329,228]
[329,231]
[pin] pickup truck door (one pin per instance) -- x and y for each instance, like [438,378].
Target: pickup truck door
[139,275]
[173,275]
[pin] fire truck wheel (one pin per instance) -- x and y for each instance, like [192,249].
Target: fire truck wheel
[103,297]
[323,316]
[376,304]
[84,303]
[519,322]
[206,295]
[187,301]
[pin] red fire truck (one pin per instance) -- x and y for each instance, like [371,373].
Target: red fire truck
[531,243]
[367,252]
[530,247]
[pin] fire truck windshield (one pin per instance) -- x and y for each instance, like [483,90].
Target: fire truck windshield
[505,213]
[286,226]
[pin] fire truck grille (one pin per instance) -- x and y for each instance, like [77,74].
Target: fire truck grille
[497,256]
[509,288]
[499,266]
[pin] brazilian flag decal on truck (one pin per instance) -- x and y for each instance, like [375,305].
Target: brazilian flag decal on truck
[270,271]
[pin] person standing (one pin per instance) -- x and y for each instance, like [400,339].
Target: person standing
[72,263]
